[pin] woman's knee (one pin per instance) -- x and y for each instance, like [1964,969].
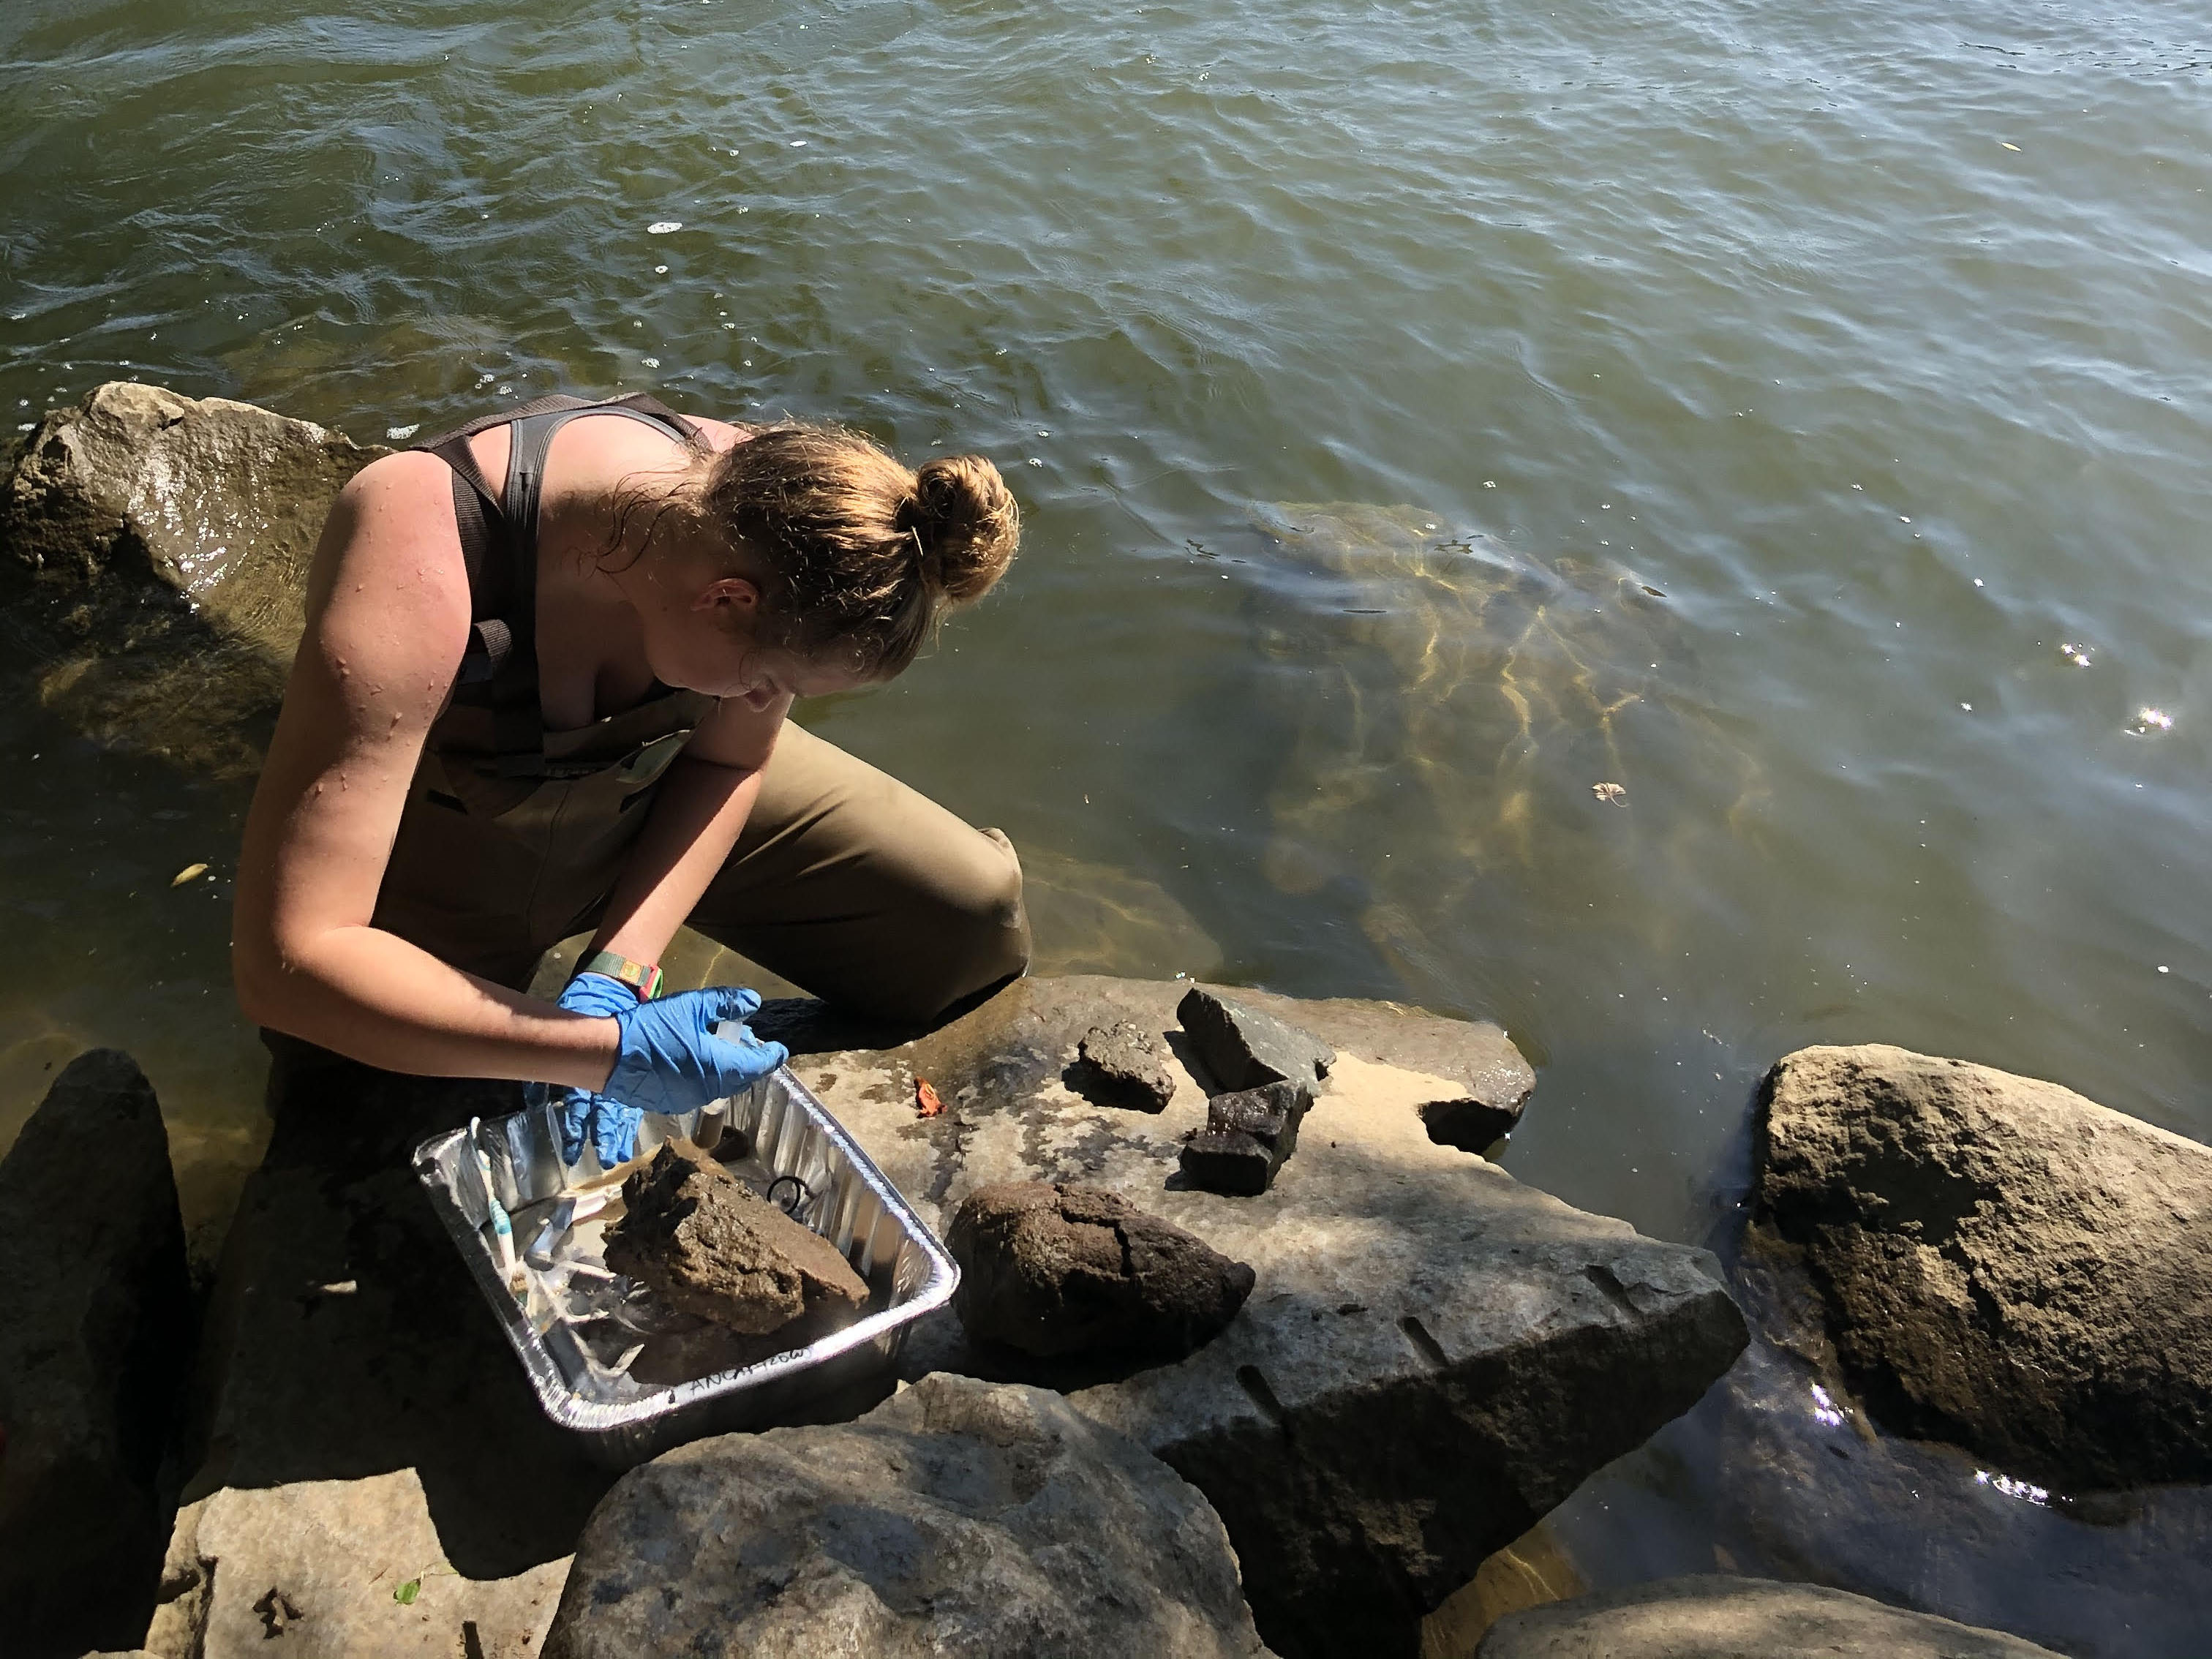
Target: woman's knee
[981,937]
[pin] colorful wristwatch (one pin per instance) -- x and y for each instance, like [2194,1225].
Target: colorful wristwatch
[642,977]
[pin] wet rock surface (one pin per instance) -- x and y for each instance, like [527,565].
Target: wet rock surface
[1058,1268]
[93,1356]
[1240,1047]
[1431,1357]
[712,1248]
[1246,1137]
[1123,1065]
[1715,1617]
[959,1517]
[2003,1264]
[158,547]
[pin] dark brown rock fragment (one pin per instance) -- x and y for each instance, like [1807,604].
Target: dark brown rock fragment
[1054,1268]
[699,1236]
[1246,1137]
[1243,1049]
[1123,1065]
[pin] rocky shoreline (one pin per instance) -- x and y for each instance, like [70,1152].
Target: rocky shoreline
[1288,1391]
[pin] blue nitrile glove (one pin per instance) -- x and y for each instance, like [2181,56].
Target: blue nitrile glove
[613,1125]
[672,1062]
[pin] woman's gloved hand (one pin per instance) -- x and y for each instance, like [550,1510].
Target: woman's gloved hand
[669,1061]
[672,1062]
[611,1125]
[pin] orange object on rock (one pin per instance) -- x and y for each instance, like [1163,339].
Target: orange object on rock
[925,1098]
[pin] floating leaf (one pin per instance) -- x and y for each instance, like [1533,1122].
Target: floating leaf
[406,1593]
[190,873]
[1611,793]
[925,1098]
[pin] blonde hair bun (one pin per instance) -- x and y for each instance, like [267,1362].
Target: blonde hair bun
[966,523]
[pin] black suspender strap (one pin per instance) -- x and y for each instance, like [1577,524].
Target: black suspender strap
[499,546]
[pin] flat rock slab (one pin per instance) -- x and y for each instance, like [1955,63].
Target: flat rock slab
[318,1568]
[990,1521]
[1433,1355]
[165,543]
[93,1356]
[1054,1268]
[1711,1616]
[2004,1264]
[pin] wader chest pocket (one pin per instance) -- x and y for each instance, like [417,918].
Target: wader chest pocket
[650,761]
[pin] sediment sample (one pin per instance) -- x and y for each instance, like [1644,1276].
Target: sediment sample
[1246,1137]
[1051,1267]
[701,1239]
[1243,1049]
[1123,1065]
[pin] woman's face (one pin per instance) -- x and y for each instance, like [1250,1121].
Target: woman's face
[712,645]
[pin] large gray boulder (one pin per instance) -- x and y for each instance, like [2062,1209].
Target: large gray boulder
[1714,1617]
[2004,1264]
[1433,1355]
[991,1521]
[159,546]
[94,1355]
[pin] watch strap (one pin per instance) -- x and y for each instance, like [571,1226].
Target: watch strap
[642,977]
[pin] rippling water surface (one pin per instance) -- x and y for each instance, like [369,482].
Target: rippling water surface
[1793,414]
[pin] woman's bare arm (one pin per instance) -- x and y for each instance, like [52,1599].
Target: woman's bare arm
[695,817]
[387,621]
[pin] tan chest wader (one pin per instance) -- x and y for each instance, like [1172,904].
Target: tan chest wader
[845,881]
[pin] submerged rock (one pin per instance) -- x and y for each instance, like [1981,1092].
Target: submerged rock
[93,1356]
[1246,1137]
[710,1247]
[2004,1264]
[1120,1065]
[1710,1616]
[958,1516]
[1056,1268]
[1243,1047]
[1432,1355]
[161,544]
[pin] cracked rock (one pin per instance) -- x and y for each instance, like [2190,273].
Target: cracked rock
[1056,1268]
[1246,1137]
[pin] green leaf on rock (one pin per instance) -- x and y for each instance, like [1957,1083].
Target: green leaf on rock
[406,1593]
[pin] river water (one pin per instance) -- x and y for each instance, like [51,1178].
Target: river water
[1792,415]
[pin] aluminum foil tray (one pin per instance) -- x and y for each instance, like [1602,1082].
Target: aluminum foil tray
[557,1315]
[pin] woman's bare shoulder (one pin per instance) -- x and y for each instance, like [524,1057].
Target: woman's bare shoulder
[388,579]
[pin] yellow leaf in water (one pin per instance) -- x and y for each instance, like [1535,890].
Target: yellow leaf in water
[2014,148]
[189,872]
[1611,793]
